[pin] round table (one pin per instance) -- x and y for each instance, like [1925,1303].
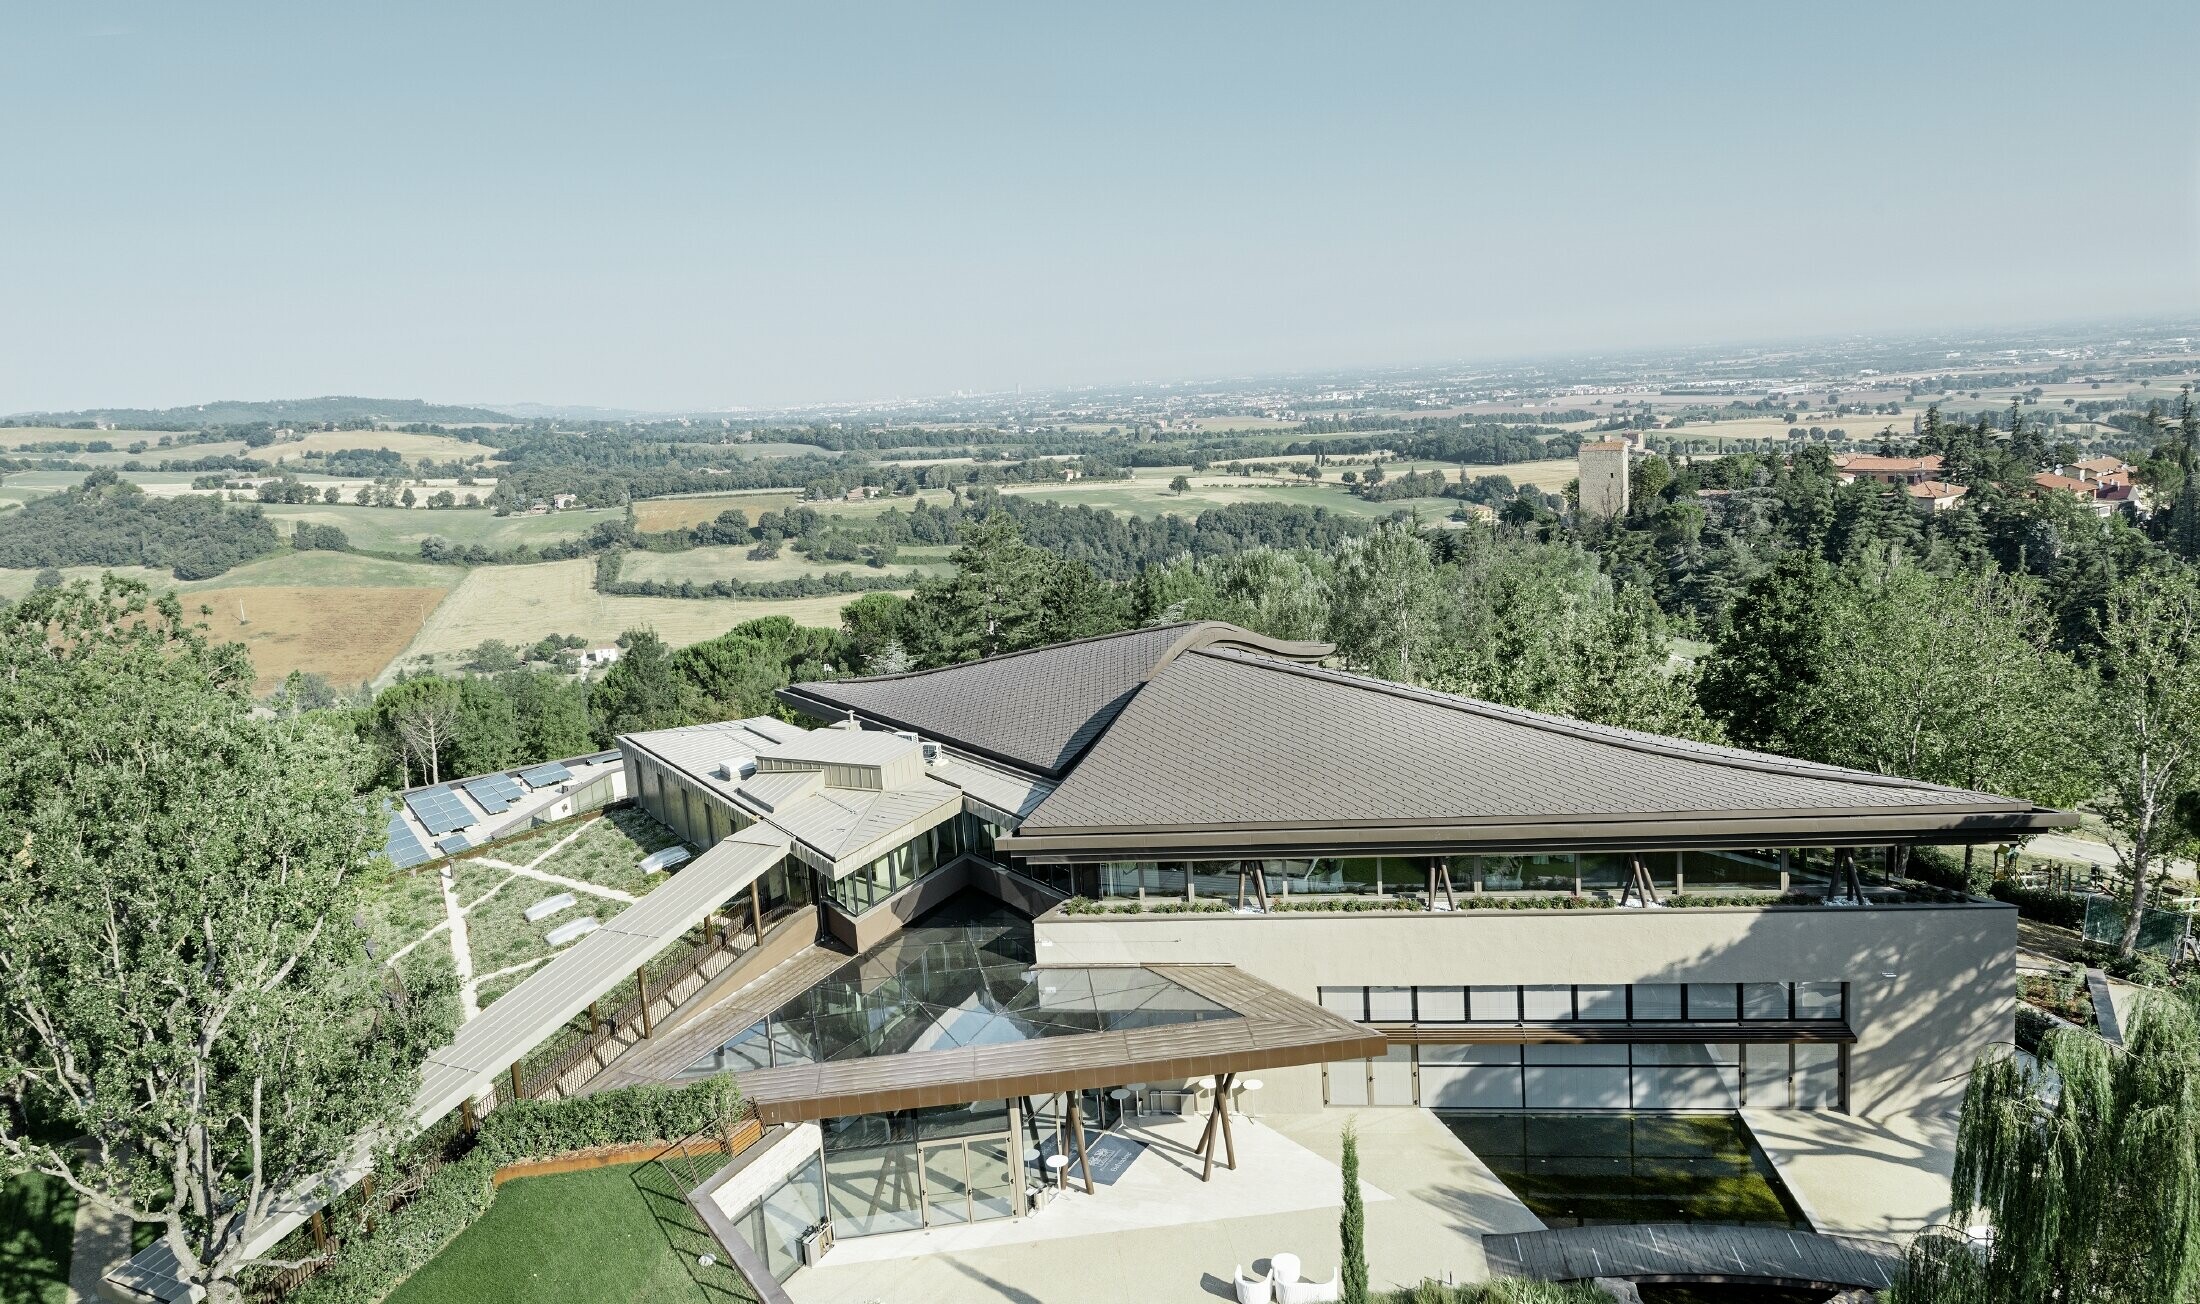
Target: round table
[1205,1084]
[1123,1097]
[1059,1166]
[1283,1267]
[1245,1088]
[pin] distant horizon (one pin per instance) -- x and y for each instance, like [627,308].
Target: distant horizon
[702,207]
[2144,322]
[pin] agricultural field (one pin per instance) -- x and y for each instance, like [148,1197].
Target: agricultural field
[655,515]
[1148,492]
[520,604]
[731,562]
[409,446]
[399,530]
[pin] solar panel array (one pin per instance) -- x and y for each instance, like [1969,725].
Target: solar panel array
[440,811]
[495,792]
[542,776]
[404,845]
[452,843]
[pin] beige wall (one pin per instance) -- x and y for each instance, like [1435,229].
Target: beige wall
[1952,994]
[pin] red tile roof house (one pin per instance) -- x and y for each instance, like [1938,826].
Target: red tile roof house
[1851,467]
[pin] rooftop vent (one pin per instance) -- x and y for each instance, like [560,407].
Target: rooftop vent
[737,768]
[934,754]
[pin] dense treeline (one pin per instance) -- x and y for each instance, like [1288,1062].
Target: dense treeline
[107,521]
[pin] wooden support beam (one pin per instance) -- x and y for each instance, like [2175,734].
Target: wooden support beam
[1222,1100]
[366,1189]
[517,1092]
[1451,897]
[1077,1134]
[1241,885]
[466,1120]
[595,1019]
[1260,886]
[756,906]
[641,987]
[320,1230]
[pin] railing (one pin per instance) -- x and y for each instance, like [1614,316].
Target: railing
[667,992]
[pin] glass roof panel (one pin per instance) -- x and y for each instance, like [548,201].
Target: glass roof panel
[962,975]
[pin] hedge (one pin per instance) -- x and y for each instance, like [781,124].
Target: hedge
[2062,909]
[368,1268]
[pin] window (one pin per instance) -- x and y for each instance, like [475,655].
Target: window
[1715,1001]
[1493,1004]
[1712,870]
[1657,1002]
[1765,1001]
[1546,1004]
[1390,1004]
[1818,1001]
[1345,1002]
[1817,1077]
[1685,1076]
[1440,1004]
[1608,1004]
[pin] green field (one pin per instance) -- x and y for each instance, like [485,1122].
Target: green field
[37,1226]
[621,1233]
[731,562]
[399,530]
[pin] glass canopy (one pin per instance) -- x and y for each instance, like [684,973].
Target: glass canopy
[963,975]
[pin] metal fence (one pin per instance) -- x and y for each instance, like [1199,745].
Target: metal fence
[2167,933]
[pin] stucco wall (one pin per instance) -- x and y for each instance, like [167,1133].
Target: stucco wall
[1952,993]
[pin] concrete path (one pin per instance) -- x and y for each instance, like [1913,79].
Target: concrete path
[1160,1234]
[102,1240]
[1872,1177]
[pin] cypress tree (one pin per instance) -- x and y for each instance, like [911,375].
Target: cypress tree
[1352,1225]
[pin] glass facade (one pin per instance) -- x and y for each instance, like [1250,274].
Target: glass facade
[1711,871]
[915,1168]
[1564,1003]
[775,1224]
[912,860]
[1654,1076]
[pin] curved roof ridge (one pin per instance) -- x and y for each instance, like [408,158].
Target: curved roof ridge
[1610,735]
[1198,634]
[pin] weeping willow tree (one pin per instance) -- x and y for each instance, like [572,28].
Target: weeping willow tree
[2085,1170]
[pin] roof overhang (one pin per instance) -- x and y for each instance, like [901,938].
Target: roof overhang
[1649,832]
[1273,1030]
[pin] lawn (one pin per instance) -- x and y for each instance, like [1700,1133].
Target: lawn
[609,851]
[620,1233]
[37,1224]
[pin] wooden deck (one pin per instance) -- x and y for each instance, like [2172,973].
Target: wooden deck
[1756,1256]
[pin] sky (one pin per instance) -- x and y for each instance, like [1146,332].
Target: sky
[716,205]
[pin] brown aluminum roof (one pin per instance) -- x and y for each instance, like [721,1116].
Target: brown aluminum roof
[1237,751]
[1039,709]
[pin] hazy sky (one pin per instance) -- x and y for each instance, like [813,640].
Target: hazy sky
[711,204]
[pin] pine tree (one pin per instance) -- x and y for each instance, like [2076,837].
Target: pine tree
[1352,1225]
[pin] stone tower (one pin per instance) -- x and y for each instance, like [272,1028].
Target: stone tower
[1603,471]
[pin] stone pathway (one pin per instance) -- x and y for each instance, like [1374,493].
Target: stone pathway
[102,1240]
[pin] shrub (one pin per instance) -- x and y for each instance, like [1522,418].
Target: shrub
[2062,909]
[369,1267]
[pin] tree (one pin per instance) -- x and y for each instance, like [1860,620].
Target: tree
[1352,1225]
[2147,728]
[1385,609]
[493,656]
[992,603]
[180,978]
[2087,1169]
[422,715]
[641,690]
[1954,681]
[1771,648]
[1181,485]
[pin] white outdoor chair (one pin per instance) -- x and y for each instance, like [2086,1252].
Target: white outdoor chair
[1252,1290]
[1311,1292]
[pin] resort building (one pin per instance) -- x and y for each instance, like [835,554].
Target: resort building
[979,916]
[1235,860]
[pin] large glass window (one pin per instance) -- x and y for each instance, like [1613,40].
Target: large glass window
[1710,871]
[1688,1076]
[1546,1004]
[1819,1001]
[1657,1002]
[1718,1002]
[774,1225]
[1493,1004]
[897,869]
